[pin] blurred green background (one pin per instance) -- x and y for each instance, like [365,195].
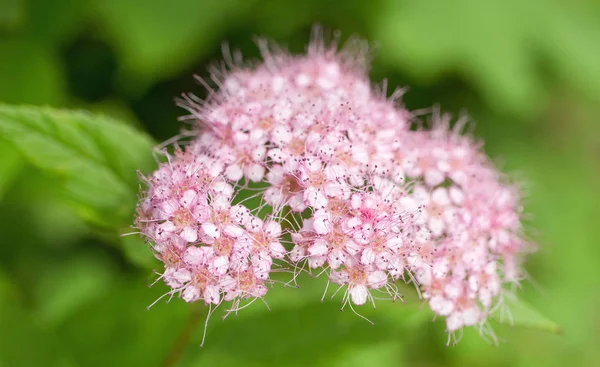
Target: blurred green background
[528,72]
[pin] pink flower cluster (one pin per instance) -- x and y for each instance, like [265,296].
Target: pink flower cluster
[471,217]
[212,250]
[365,199]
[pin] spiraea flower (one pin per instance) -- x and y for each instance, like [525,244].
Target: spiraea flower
[212,250]
[364,199]
[472,216]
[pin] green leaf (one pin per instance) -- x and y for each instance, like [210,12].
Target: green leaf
[96,156]
[520,313]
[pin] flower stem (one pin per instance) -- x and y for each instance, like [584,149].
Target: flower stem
[183,339]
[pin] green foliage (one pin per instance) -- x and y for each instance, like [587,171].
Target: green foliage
[496,45]
[9,166]
[162,37]
[519,313]
[11,14]
[32,72]
[96,157]
[70,287]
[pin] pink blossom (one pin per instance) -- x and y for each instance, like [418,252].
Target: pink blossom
[363,198]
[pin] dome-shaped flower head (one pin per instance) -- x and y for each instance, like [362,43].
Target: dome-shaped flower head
[337,170]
